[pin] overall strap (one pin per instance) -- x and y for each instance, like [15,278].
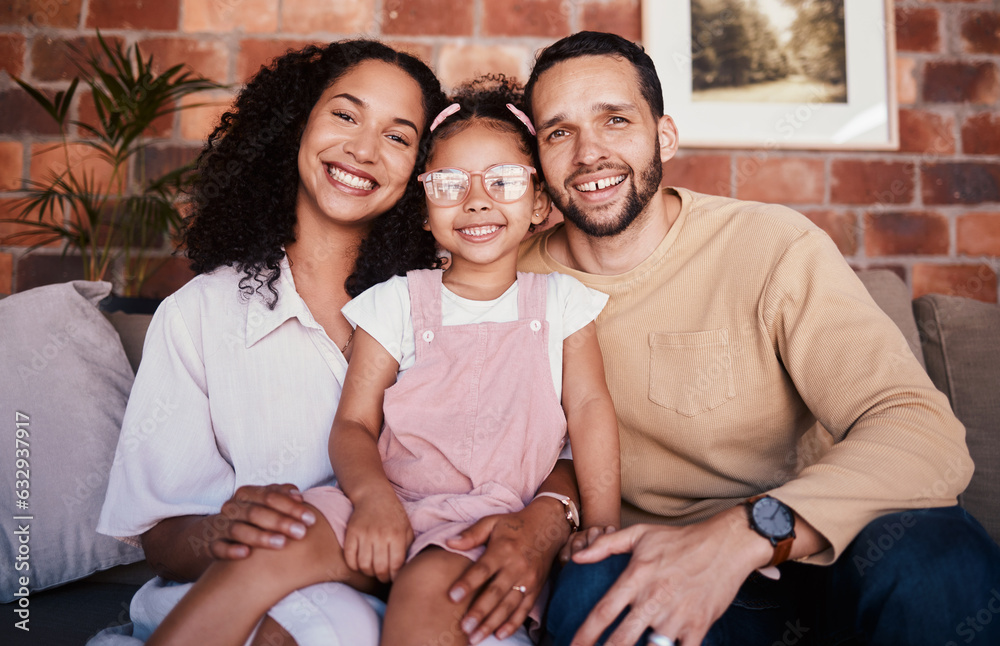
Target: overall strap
[425,298]
[532,291]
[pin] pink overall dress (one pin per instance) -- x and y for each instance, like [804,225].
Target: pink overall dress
[474,427]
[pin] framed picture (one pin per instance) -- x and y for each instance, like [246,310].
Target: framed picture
[816,74]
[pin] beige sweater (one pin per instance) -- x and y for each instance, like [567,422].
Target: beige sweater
[726,346]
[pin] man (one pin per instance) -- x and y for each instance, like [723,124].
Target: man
[733,328]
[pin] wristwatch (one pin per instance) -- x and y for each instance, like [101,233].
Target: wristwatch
[572,513]
[775,521]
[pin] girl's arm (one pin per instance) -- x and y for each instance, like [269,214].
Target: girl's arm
[593,430]
[378,532]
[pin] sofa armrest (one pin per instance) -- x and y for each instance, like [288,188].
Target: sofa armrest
[961,341]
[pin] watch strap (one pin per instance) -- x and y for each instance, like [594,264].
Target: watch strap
[782,550]
[568,506]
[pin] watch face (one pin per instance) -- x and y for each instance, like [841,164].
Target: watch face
[772,518]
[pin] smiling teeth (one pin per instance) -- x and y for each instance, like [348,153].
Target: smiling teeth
[599,184]
[353,181]
[480,231]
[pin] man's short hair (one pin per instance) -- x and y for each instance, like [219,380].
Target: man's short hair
[598,43]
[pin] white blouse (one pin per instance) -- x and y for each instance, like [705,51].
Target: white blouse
[229,392]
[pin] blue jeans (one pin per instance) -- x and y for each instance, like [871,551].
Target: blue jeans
[927,576]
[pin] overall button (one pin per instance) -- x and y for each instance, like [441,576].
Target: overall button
[536,325]
[428,336]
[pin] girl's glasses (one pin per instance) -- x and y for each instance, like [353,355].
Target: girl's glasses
[503,182]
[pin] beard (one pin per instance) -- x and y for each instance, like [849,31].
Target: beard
[644,186]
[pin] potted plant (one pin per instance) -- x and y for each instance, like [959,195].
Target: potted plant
[112,220]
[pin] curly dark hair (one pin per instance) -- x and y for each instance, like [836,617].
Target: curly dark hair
[245,193]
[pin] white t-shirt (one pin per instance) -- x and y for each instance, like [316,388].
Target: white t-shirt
[383,311]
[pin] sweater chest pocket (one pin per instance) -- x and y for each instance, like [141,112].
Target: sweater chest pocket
[690,372]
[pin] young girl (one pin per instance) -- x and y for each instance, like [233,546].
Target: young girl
[451,405]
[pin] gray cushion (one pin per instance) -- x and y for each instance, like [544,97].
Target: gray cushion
[961,340]
[65,369]
[892,295]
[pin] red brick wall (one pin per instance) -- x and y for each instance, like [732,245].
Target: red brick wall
[931,211]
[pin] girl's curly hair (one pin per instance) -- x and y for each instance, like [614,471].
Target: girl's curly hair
[245,193]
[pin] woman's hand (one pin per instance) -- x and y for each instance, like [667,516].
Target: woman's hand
[259,516]
[581,540]
[377,538]
[520,550]
[181,548]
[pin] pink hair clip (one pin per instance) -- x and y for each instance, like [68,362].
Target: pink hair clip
[523,118]
[444,114]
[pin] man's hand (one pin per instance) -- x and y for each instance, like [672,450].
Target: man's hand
[520,549]
[679,581]
[259,516]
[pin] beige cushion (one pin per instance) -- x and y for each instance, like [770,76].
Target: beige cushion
[132,330]
[961,341]
[892,295]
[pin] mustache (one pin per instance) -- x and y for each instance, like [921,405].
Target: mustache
[622,169]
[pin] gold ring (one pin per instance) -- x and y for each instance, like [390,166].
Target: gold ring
[520,588]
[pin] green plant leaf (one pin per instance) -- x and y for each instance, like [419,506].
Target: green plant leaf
[113,220]
[40,99]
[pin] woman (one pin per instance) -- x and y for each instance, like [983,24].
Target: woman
[242,368]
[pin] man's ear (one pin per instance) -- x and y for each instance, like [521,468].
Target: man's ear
[666,135]
[541,206]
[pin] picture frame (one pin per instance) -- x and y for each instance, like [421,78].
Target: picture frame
[762,74]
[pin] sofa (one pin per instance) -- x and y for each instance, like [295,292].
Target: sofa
[54,333]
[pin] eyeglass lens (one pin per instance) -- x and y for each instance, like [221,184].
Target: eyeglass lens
[503,183]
